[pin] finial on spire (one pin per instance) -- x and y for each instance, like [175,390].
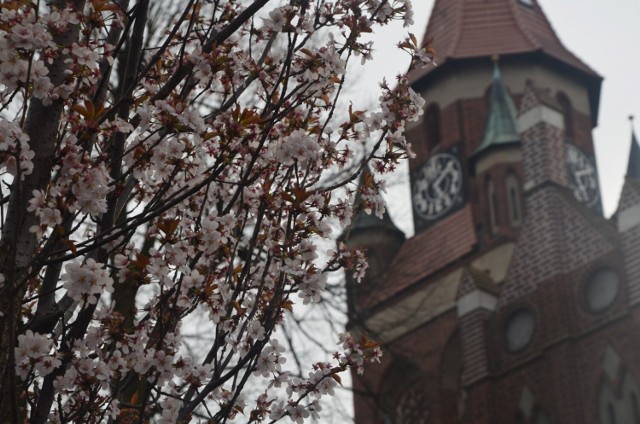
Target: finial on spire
[631,118]
[496,69]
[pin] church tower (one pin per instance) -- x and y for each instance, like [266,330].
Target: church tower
[516,301]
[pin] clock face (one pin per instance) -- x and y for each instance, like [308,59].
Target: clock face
[437,186]
[584,177]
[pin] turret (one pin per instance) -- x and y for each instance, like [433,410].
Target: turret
[380,240]
[496,164]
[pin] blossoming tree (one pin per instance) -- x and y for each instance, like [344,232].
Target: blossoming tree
[160,160]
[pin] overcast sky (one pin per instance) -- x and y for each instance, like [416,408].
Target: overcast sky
[604,34]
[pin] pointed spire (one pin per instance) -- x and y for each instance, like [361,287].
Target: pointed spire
[633,169]
[501,125]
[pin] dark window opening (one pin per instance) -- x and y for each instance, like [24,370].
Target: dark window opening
[635,408]
[611,412]
[567,113]
[492,201]
[514,204]
[432,126]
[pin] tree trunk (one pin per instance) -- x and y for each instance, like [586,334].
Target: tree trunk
[18,244]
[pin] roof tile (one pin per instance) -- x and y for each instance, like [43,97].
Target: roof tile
[427,252]
[462,29]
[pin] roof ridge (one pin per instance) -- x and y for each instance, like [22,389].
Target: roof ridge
[522,27]
[538,9]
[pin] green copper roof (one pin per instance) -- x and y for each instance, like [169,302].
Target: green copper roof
[633,169]
[501,125]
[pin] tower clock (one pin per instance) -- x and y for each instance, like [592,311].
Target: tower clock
[437,188]
[583,177]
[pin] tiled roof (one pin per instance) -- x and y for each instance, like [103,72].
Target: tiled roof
[462,29]
[429,251]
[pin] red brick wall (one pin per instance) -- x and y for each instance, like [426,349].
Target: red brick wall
[559,245]
[631,246]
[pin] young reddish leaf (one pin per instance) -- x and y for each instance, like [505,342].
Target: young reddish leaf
[301,194]
[134,398]
[141,262]
[239,309]
[168,226]
[81,110]
[288,305]
[368,344]
[71,246]
[413,39]
[286,196]
[337,378]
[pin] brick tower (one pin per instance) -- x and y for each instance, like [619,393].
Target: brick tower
[516,301]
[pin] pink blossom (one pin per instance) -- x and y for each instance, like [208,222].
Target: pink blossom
[84,281]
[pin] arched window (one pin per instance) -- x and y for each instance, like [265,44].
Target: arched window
[412,406]
[611,413]
[542,418]
[432,126]
[403,394]
[513,200]
[567,113]
[635,408]
[620,407]
[492,201]
[530,411]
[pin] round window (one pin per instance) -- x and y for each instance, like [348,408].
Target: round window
[519,331]
[601,289]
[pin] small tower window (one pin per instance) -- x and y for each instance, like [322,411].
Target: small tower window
[543,418]
[491,200]
[619,402]
[567,113]
[432,126]
[513,199]
[611,414]
[635,408]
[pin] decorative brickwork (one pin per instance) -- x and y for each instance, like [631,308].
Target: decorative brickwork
[497,315]
[631,247]
[630,196]
[557,239]
[472,334]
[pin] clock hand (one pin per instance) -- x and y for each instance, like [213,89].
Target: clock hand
[448,168]
[582,194]
[581,173]
[438,190]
